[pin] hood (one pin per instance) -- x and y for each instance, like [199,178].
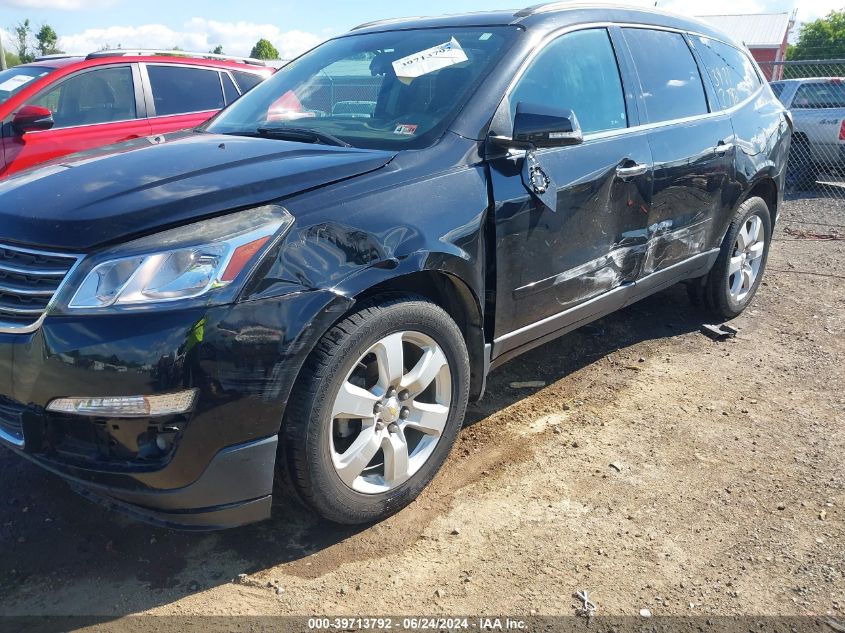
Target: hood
[136,188]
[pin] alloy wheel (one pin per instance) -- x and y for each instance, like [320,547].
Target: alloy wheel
[746,258]
[390,412]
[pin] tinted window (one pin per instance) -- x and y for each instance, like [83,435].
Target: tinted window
[731,72]
[229,88]
[97,96]
[14,80]
[177,90]
[669,77]
[829,94]
[247,81]
[577,71]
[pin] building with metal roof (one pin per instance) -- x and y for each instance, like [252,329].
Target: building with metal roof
[765,34]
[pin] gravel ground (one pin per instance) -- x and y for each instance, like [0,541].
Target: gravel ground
[656,469]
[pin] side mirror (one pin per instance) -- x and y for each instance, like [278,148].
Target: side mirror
[537,126]
[31,118]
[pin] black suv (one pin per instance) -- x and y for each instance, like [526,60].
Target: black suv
[318,289]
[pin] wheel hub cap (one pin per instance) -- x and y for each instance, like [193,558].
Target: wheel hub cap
[390,412]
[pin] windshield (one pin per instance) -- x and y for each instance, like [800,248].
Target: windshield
[14,80]
[390,90]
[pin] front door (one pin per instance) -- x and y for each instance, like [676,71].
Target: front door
[90,109]
[554,259]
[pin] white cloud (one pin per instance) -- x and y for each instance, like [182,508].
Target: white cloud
[197,34]
[812,9]
[67,5]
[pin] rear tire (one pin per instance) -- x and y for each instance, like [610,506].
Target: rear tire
[733,281]
[376,409]
[801,172]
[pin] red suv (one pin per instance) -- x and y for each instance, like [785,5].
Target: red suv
[62,104]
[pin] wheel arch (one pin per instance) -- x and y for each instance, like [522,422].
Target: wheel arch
[453,295]
[764,187]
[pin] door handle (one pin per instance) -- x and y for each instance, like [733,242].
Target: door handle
[626,173]
[723,148]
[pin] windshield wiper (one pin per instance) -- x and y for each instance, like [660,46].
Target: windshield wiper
[302,134]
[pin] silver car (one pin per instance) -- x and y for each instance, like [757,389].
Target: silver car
[818,111]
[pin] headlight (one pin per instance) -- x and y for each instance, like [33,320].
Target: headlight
[211,257]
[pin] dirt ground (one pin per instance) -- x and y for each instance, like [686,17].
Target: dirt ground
[657,469]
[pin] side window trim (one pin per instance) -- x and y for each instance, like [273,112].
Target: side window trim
[713,104]
[628,74]
[139,101]
[234,83]
[500,124]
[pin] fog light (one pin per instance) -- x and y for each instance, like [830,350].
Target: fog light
[127,406]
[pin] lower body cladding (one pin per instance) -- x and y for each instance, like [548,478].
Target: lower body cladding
[209,467]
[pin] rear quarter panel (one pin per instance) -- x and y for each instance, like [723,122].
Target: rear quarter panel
[762,141]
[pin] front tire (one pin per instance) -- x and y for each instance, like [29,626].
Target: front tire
[376,409]
[735,277]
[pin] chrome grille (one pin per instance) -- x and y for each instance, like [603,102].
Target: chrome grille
[29,279]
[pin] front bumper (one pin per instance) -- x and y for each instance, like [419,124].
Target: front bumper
[218,465]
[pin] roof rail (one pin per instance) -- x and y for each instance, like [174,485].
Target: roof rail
[542,8]
[120,52]
[366,25]
[548,7]
[44,58]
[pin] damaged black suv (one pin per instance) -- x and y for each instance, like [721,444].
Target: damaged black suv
[318,280]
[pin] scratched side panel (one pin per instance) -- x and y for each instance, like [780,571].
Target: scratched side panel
[550,260]
[419,213]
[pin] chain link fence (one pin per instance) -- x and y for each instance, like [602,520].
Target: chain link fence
[814,92]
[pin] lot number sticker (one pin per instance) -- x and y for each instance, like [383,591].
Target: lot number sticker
[428,61]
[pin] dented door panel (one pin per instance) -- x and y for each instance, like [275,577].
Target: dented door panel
[693,182]
[548,260]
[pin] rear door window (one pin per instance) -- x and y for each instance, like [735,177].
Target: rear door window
[828,94]
[181,89]
[731,72]
[247,81]
[577,71]
[105,95]
[669,78]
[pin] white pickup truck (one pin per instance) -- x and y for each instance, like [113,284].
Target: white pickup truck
[817,106]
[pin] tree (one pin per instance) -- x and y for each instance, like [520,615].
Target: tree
[12,59]
[264,49]
[23,34]
[218,50]
[47,40]
[821,39]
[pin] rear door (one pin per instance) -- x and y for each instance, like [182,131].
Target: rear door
[553,259]
[181,97]
[91,108]
[693,149]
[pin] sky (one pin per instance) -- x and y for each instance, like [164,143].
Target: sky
[293,27]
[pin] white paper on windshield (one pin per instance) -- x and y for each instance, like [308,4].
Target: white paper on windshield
[428,61]
[15,82]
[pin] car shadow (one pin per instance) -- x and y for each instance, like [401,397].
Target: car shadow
[52,539]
